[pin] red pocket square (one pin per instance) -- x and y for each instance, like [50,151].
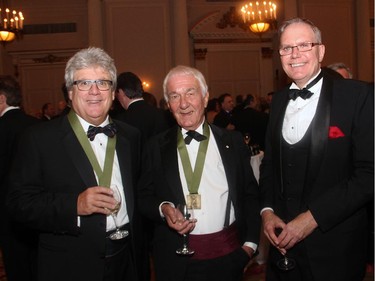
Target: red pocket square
[335,132]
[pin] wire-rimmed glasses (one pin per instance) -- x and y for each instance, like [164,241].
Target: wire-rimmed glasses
[302,47]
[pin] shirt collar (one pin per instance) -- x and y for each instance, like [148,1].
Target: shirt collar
[294,85]
[9,108]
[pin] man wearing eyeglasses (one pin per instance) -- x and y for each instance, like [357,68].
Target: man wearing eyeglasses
[317,172]
[61,179]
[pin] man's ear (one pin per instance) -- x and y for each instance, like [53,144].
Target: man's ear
[3,98]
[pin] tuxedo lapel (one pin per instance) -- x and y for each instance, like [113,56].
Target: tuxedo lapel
[123,156]
[77,154]
[168,152]
[277,128]
[319,133]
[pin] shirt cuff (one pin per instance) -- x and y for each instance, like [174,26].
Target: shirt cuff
[251,245]
[265,209]
[161,204]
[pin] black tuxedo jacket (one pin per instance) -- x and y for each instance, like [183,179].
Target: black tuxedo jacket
[161,182]
[146,118]
[339,179]
[50,171]
[249,120]
[12,125]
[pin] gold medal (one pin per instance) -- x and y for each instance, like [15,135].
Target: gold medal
[193,201]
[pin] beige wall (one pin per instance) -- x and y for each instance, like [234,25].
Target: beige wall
[148,37]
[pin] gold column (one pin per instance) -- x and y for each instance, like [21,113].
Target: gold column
[180,33]
[95,23]
[365,62]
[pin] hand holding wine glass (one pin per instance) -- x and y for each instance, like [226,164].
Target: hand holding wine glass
[118,234]
[187,214]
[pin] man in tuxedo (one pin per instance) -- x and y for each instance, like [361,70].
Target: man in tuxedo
[221,189]
[62,174]
[224,118]
[317,175]
[138,113]
[17,243]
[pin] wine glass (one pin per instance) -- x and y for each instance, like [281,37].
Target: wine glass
[118,234]
[187,214]
[286,263]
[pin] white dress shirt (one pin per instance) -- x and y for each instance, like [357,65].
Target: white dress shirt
[299,113]
[213,188]
[99,145]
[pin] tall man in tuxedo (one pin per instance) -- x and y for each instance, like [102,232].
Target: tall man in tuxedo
[61,177]
[221,189]
[317,174]
[17,243]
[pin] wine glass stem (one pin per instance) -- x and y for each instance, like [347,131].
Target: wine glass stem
[114,220]
[185,240]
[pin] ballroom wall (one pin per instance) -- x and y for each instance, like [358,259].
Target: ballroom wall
[148,37]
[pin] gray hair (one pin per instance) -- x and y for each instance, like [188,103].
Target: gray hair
[185,70]
[339,65]
[90,57]
[315,29]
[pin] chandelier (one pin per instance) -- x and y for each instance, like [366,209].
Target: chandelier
[259,16]
[11,23]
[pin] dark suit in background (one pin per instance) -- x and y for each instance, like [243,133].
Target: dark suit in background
[18,243]
[145,117]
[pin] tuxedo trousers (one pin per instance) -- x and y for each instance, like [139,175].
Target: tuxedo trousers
[226,268]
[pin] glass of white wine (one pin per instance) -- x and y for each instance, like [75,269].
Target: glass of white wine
[187,213]
[118,234]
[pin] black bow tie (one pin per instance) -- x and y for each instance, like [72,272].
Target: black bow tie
[194,135]
[295,93]
[109,130]
[304,93]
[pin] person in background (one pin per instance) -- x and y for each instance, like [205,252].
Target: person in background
[61,178]
[17,243]
[342,69]
[224,118]
[48,111]
[212,109]
[224,232]
[251,121]
[64,105]
[317,174]
[146,117]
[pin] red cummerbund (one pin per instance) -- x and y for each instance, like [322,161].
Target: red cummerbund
[214,245]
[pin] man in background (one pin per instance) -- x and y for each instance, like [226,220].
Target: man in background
[138,113]
[17,243]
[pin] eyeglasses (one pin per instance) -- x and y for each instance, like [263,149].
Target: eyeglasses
[303,47]
[85,85]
